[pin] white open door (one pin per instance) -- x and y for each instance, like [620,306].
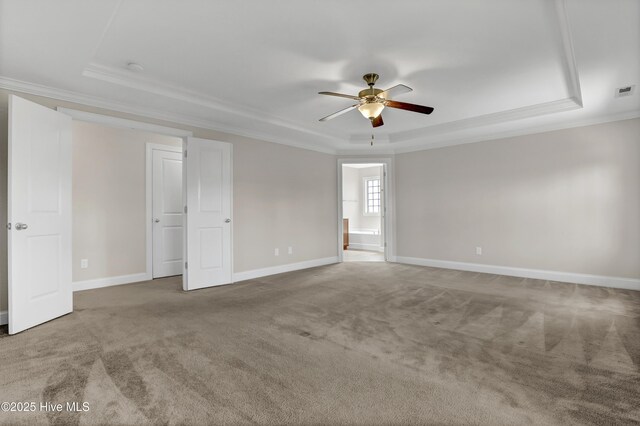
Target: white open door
[208,192]
[167,205]
[39,201]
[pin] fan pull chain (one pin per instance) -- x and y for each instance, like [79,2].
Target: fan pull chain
[372,139]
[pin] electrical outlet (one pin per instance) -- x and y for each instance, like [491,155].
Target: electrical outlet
[290,250]
[479,251]
[84,263]
[276,252]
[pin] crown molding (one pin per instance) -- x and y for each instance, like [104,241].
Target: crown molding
[374,150]
[570,67]
[128,79]
[628,115]
[149,113]
[123,123]
[384,148]
[530,111]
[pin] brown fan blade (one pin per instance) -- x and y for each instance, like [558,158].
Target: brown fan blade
[377,122]
[394,91]
[340,95]
[409,107]
[342,111]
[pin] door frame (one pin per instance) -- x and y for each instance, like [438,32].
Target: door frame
[111,121]
[389,225]
[148,183]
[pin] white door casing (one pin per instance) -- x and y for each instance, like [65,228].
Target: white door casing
[388,201]
[383,207]
[208,190]
[167,207]
[39,211]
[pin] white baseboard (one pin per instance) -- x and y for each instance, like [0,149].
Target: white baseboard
[272,270]
[4,317]
[599,280]
[109,281]
[369,247]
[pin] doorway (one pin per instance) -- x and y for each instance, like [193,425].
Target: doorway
[167,231]
[365,210]
[41,214]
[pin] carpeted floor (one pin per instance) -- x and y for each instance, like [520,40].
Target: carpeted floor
[353,343]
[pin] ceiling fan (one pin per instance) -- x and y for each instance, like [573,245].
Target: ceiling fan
[372,101]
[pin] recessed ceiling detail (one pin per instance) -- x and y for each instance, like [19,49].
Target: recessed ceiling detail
[490,68]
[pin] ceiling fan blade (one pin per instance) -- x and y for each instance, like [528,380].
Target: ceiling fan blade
[342,111]
[409,107]
[340,95]
[395,90]
[377,122]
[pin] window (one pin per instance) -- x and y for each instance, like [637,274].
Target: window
[372,196]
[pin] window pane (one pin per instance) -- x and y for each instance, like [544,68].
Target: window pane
[372,203]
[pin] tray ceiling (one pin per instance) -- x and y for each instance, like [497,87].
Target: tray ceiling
[490,68]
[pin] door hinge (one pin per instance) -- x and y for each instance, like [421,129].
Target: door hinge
[185,209]
[385,244]
[185,153]
[186,265]
[9,226]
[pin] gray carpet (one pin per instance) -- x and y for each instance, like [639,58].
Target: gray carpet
[354,343]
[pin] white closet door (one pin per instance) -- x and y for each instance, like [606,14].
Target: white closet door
[39,201]
[167,213]
[208,190]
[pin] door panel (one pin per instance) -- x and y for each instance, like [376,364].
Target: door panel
[167,208]
[39,210]
[208,197]
[172,238]
[44,251]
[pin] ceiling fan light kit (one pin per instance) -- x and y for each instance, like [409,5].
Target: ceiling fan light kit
[371,110]
[372,101]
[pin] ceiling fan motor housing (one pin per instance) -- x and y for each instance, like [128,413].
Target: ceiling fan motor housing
[369,94]
[371,78]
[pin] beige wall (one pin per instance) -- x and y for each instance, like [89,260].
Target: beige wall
[109,205]
[283,196]
[565,201]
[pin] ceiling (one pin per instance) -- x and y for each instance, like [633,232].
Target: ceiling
[490,69]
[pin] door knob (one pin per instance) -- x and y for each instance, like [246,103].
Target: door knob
[227,220]
[156,220]
[21,226]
